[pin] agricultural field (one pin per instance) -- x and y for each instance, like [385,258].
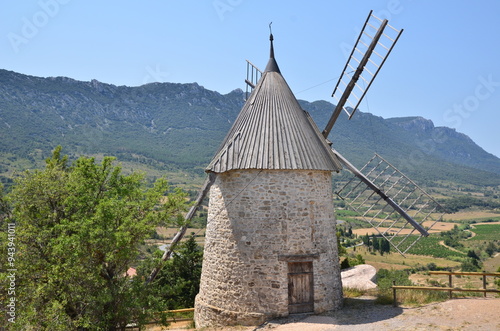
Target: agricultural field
[473,216]
[476,230]
[397,261]
[486,231]
[438,227]
[432,246]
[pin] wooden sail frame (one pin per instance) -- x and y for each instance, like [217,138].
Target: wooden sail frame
[363,65]
[374,198]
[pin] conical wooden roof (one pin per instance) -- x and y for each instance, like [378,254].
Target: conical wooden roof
[273,132]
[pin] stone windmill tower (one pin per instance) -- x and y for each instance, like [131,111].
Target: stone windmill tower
[270,246]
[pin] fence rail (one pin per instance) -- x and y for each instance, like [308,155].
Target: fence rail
[178,311]
[450,287]
[169,320]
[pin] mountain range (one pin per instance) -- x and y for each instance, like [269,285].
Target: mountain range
[179,126]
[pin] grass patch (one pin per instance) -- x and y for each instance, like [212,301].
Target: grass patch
[352,292]
[419,297]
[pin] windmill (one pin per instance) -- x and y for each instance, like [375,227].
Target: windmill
[271,246]
[395,206]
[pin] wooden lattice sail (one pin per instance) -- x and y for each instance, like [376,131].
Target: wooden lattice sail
[389,201]
[416,212]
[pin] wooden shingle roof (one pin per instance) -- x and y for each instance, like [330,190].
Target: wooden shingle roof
[273,132]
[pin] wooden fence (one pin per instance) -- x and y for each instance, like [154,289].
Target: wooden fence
[450,287]
[172,319]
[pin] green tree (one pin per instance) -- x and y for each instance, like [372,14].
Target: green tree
[349,232]
[178,282]
[469,265]
[491,248]
[366,240]
[345,264]
[341,249]
[376,243]
[385,246]
[471,253]
[78,230]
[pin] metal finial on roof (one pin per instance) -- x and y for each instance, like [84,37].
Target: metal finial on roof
[272,65]
[271,38]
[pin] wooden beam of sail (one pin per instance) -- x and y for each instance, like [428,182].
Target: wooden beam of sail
[182,231]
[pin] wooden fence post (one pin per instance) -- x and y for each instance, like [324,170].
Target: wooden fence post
[450,283]
[394,298]
[484,282]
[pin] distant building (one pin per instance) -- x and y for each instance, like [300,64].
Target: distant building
[131,272]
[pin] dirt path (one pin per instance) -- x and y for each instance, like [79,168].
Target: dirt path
[449,247]
[472,234]
[363,315]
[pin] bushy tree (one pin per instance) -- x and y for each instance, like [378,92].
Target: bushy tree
[376,243]
[345,264]
[78,230]
[178,282]
[472,254]
[491,248]
[385,246]
[469,265]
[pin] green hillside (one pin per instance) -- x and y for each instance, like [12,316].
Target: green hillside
[178,127]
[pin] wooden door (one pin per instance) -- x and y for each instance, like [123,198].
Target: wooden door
[300,287]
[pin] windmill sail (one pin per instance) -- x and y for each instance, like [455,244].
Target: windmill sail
[253,76]
[385,198]
[373,46]
[373,191]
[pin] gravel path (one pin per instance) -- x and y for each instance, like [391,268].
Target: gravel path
[362,315]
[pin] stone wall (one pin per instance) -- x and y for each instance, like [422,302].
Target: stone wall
[258,222]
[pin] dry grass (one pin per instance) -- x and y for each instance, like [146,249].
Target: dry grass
[388,266]
[470,215]
[169,233]
[418,297]
[438,227]
[352,292]
[473,282]
[492,264]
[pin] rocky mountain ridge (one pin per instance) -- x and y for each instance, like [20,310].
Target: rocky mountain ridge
[181,125]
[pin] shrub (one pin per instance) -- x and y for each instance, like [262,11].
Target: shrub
[412,297]
[345,264]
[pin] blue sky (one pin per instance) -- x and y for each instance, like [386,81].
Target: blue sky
[445,66]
